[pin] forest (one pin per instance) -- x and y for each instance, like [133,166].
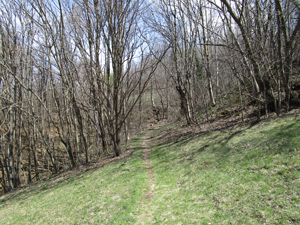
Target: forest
[78,78]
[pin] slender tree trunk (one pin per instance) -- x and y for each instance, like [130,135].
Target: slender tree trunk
[210,89]
[207,60]
[68,146]
[117,144]
[184,105]
[77,141]
[11,166]
[6,166]
[29,166]
[19,149]
[35,156]
[217,74]
[80,124]
[103,132]
[3,183]
[241,101]
[152,96]
[140,107]
[126,125]
[167,100]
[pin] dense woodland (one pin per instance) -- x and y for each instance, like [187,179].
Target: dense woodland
[79,77]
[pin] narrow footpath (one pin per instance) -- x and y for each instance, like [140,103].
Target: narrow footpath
[146,214]
[147,161]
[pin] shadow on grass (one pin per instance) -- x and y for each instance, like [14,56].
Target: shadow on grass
[276,140]
[183,138]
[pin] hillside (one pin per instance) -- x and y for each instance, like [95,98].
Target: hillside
[247,173]
[80,79]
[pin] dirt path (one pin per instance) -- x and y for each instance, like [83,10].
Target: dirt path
[145,216]
[147,161]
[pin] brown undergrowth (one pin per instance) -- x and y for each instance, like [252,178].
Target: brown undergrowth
[184,133]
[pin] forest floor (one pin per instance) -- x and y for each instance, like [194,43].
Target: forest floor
[219,172]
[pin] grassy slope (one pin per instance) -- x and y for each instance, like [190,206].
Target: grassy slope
[244,176]
[103,196]
[247,175]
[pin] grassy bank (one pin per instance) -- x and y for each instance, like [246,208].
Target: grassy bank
[246,175]
[106,195]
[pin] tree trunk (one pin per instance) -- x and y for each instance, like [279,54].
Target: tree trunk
[117,142]
[207,60]
[68,146]
[29,166]
[3,183]
[81,131]
[152,96]
[241,101]
[140,107]
[102,131]
[184,105]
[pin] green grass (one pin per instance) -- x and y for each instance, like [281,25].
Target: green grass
[107,195]
[247,175]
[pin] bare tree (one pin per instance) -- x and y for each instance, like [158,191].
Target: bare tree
[257,46]
[177,29]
